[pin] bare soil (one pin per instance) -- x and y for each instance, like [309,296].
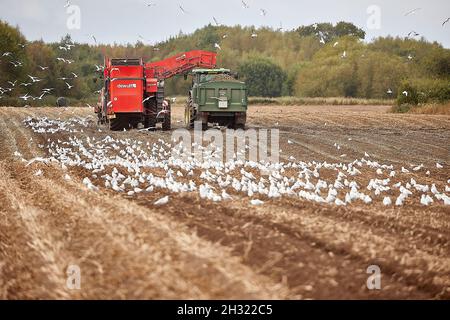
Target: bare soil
[192,248]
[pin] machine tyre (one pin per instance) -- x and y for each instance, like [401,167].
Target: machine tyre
[116,124]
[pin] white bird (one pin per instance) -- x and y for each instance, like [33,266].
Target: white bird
[6,54]
[162,201]
[25,97]
[410,57]
[182,9]
[439,166]
[344,55]
[263,12]
[445,21]
[405,93]
[425,200]
[38,173]
[216,45]
[74,75]
[12,83]
[387,201]
[256,202]
[67,4]
[254,35]
[215,21]
[40,97]
[151,4]
[290,142]
[16,63]
[43,68]
[69,86]
[412,12]
[335,44]
[413,33]
[34,79]
[244,5]
[389,91]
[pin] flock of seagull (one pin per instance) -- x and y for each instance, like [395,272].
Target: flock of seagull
[132,167]
[34,79]
[68,46]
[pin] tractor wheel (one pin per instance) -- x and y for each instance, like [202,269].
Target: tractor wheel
[190,115]
[239,122]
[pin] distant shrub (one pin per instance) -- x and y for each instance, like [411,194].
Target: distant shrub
[423,91]
[407,94]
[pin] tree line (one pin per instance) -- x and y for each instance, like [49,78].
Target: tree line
[319,60]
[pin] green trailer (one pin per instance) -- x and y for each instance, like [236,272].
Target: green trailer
[216,97]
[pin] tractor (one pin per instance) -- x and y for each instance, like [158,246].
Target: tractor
[133,91]
[216,96]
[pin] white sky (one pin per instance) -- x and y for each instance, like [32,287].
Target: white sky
[123,21]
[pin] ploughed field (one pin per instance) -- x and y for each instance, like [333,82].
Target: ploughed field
[354,187]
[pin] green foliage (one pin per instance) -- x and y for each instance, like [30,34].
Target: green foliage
[263,77]
[291,63]
[422,91]
[328,32]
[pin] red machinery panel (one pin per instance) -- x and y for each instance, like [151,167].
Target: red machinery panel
[126,88]
[180,63]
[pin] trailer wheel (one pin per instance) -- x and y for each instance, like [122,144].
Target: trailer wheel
[116,124]
[189,114]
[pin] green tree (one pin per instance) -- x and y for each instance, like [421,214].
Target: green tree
[263,77]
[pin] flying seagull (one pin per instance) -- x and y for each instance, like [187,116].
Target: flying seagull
[43,68]
[151,4]
[447,20]
[16,64]
[215,21]
[69,86]
[182,9]
[263,12]
[34,79]
[413,33]
[216,45]
[412,11]
[244,5]
[25,97]
[67,4]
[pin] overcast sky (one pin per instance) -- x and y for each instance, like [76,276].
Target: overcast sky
[123,21]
